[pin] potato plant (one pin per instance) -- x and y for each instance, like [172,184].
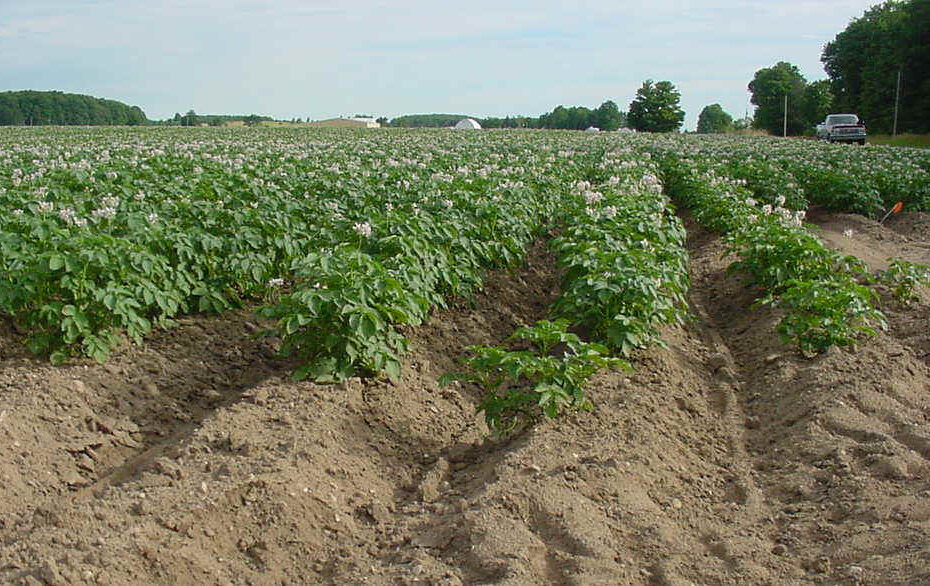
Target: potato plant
[344,238]
[818,288]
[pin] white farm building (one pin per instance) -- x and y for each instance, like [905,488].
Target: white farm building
[467,124]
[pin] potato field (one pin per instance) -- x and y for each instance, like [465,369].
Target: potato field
[314,356]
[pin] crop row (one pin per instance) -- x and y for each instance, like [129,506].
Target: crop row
[622,248]
[818,289]
[344,238]
[625,276]
[111,238]
[866,181]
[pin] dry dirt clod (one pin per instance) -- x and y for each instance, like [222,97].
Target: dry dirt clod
[50,574]
[717,361]
[726,374]
[855,571]
[822,565]
[429,488]
[891,467]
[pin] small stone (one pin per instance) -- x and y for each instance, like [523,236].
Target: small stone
[677,504]
[378,512]
[259,397]
[779,549]
[726,374]
[822,565]
[72,478]
[212,394]
[84,461]
[717,361]
[141,507]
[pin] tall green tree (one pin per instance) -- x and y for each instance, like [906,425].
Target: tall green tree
[608,116]
[864,60]
[656,108]
[190,119]
[818,101]
[769,88]
[714,120]
[915,87]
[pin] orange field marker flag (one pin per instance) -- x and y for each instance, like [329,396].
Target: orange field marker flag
[897,208]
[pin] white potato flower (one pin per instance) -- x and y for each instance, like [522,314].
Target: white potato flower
[362,228]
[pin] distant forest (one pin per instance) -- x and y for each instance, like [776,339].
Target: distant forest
[428,120]
[606,117]
[194,119]
[34,108]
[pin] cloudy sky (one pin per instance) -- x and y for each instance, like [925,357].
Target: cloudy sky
[324,58]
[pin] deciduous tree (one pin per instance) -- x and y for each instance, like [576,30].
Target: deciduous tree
[608,116]
[54,107]
[769,88]
[863,62]
[714,120]
[818,101]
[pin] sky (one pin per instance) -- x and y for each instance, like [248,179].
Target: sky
[320,58]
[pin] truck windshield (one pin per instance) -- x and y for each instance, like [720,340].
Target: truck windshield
[843,120]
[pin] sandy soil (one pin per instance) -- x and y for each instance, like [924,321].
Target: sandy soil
[725,459]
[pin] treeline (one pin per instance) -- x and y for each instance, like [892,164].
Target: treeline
[807,103]
[864,60]
[39,108]
[194,119]
[864,63]
[427,120]
[606,117]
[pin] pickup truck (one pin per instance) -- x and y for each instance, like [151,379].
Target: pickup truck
[842,128]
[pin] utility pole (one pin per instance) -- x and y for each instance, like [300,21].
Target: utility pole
[897,99]
[784,131]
